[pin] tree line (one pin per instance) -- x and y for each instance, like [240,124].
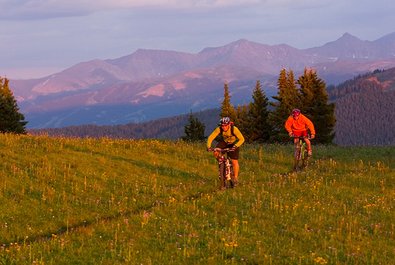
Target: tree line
[262,121]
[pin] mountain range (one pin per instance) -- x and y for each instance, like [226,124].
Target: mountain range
[152,84]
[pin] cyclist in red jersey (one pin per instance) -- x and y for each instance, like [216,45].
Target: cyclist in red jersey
[297,125]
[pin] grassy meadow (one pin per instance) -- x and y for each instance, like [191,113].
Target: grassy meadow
[105,201]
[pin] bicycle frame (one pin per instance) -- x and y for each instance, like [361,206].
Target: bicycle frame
[300,154]
[225,168]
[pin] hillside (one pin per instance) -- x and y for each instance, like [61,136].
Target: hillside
[365,109]
[105,201]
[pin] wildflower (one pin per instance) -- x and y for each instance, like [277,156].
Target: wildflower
[231,244]
[320,260]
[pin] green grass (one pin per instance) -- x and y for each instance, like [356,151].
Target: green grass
[86,201]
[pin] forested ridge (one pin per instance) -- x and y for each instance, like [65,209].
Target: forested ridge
[365,109]
[365,115]
[165,128]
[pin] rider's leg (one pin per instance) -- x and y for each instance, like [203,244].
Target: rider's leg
[236,167]
[308,143]
[296,142]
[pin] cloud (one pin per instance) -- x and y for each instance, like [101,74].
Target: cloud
[49,34]
[45,9]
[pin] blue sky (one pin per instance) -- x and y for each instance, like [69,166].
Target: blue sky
[42,37]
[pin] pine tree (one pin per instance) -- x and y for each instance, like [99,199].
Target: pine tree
[194,130]
[316,107]
[259,129]
[306,82]
[11,120]
[242,121]
[227,109]
[287,98]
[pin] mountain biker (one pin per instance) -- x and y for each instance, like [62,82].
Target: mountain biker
[231,138]
[297,125]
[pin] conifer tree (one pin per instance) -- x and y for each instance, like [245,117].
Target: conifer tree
[316,107]
[242,121]
[194,130]
[306,84]
[227,109]
[287,98]
[11,120]
[259,129]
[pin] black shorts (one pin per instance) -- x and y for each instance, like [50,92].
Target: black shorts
[234,154]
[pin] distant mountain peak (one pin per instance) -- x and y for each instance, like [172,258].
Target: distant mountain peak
[241,41]
[235,45]
[347,37]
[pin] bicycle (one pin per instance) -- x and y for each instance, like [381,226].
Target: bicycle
[225,168]
[301,157]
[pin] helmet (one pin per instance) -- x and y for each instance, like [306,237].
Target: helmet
[295,112]
[224,120]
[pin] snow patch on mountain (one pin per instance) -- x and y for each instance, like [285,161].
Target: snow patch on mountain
[177,85]
[39,87]
[158,90]
[192,75]
[91,100]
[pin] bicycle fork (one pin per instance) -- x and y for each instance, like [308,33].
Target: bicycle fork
[225,172]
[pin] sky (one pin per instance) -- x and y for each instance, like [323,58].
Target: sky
[43,37]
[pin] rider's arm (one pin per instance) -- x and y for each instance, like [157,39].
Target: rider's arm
[288,124]
[212,136]
[239,136]
[310,126]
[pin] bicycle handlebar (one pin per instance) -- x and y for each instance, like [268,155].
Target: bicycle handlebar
[222,150]
[303,137]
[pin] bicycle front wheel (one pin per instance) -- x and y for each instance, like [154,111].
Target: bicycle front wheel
[222,175]
[297,157]
[304,156]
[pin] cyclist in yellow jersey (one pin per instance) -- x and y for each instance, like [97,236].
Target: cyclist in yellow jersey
[231,138]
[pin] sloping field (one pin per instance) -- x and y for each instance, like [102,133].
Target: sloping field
[87,201]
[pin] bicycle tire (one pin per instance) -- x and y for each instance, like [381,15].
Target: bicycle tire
[232,182]
[297,156]
[222,174]
[305,156]
[229,177]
